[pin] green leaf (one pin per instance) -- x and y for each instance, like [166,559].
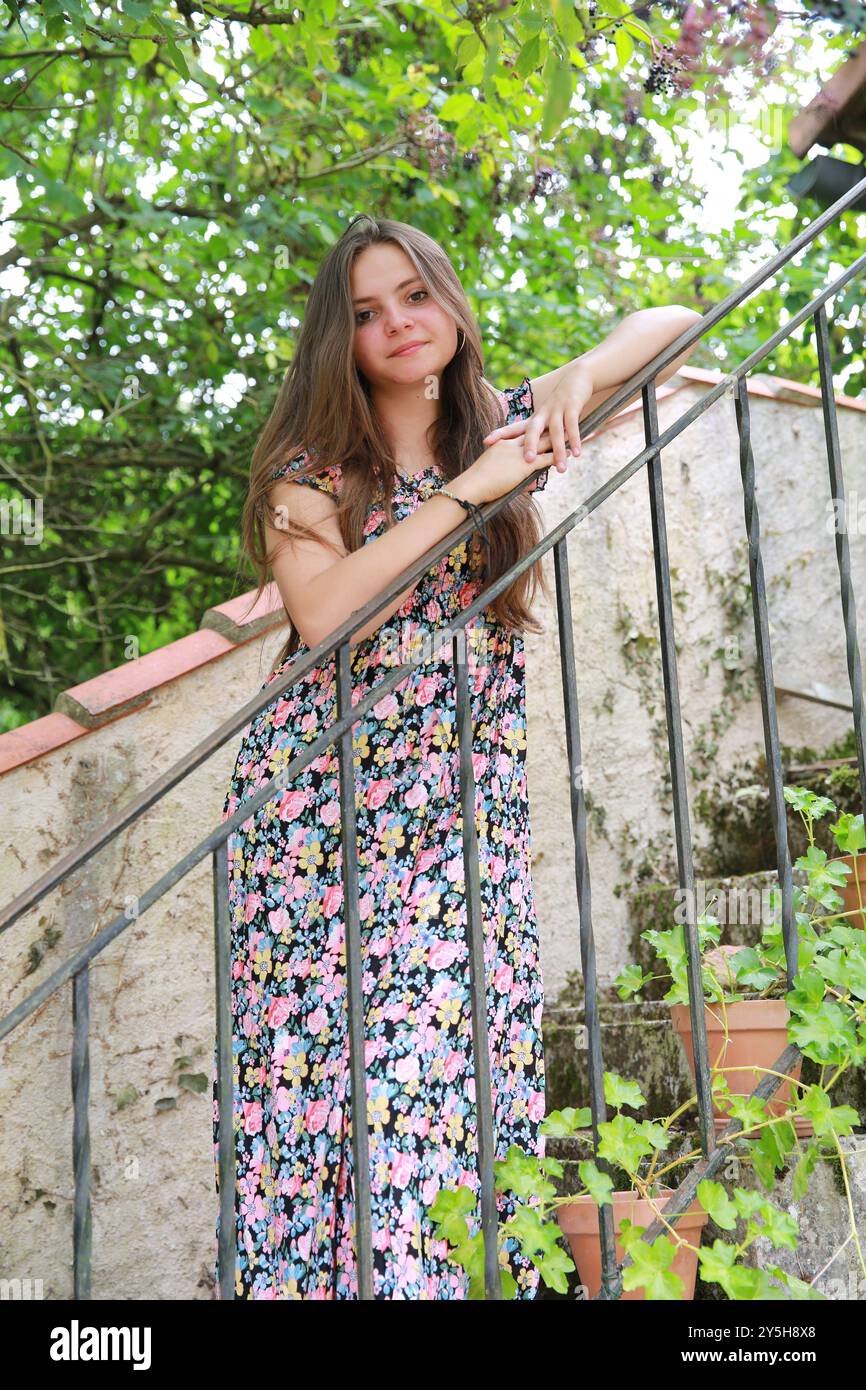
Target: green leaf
[142,50]
[562,1124]
[529,57]
[619,1092]
[455,106]
[624,44]
[651,1268]
[176,57]
[599,1185]
[557,80]
[714,1198]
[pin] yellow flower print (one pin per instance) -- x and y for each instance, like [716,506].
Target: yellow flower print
[454,1128]
[442,736]
[522,1053]
[310,857]
[514,738]
[379,1111]
[361,749]
[280,759]
[262,963]
[392,839]
[449,1011]
[295,1068]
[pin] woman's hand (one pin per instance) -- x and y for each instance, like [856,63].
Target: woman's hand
[558,417]
[500,468]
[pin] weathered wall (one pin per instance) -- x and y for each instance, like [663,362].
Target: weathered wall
[619,681]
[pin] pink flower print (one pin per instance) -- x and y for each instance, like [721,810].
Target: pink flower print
[426,690]
[380,946]
[416,795]
[252,1117]
[304,1245]
[407,1069]
[251,906]
[402,1170]
[330,813]
[426,859]
[378,793]
[279,920]
[515,891]
[317,1115]
[503,764]
[278,1011]
[454,869]
[381,1238]
[291,805]
[333,898]
[284,1098]
[453,1065]
[422,1126]
[387,705]
[282,712]
[374,520]
[442,954]
[365,907]
[309,723]
[479,763]
[536,1106]
[317,1020]
[503,979]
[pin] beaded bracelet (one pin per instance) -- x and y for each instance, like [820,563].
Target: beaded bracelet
[472,508]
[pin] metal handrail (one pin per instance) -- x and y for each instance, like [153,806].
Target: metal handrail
[340,732]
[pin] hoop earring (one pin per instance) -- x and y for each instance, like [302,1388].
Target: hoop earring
[462,345]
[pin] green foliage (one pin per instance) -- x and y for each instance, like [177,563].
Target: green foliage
[827,1021]
[179,173]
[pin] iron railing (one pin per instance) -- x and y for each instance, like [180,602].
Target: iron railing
[337,644]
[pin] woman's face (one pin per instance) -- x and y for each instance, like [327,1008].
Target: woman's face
[392,310]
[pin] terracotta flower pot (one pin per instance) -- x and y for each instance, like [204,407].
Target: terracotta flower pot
[757,1034]
[578,1220]
[851,902]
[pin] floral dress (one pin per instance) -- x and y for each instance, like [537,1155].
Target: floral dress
[294,1207]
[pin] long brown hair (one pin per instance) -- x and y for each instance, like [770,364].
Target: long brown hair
[324,407]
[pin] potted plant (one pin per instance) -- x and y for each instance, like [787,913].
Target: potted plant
[637,1180]
[827,1021]
[747,1005]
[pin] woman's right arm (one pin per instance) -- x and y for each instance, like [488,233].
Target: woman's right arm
[321,593]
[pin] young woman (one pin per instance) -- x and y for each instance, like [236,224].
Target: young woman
[384,422]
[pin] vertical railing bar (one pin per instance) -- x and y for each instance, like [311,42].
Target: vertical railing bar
[477,974]
[611,1278]
[843,552]
[81,1218]
[354,983]
[225,1074]
[765,673]
[679,783]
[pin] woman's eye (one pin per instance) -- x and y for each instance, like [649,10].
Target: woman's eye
[412,294]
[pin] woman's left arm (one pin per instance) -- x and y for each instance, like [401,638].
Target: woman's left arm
[562,396]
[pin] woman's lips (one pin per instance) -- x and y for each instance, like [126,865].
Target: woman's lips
[409,348]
